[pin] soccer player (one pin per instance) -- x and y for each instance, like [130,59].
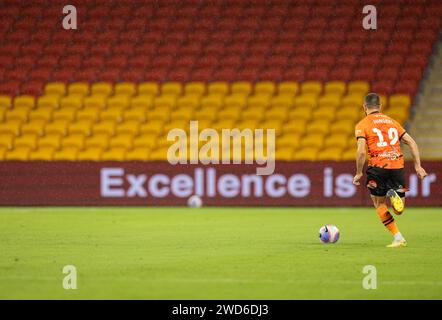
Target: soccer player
[382,135]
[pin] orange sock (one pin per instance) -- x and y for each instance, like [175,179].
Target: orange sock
[387,219]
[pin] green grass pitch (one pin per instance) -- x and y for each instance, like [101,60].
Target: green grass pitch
[216,253]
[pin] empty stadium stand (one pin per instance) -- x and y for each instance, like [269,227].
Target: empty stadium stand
[135,69]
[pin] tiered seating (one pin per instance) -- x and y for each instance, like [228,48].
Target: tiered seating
[129,121]
[222,40]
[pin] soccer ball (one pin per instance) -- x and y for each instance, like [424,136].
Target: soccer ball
[194,201]
[329,234]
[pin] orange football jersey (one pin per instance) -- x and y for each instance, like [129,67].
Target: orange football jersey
[382,135]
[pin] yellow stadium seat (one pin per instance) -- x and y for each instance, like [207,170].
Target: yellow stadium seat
[358,87]
[5,101]
[139,114]
[258,101]
[335,87]
[95,101]
[224,124]
[26,140]
[142,101]
[159,113]
[300,113]
[290,88]
[235,101]
[148,88]
[50,140]
[188,101]
[6,140]
[123,140]
[90,114]
[195,88]
[306,154]
[218,88]
[118,101]
[125,88]
[313,140]
[265,87]
[256,113]
[152,126]
[34,127]
[147,140]
[351,113]
[339,140]
[230,112]
[177,124]
[107,127]
[204,124]
[74,140]
[90,154]
[272,124]
[305,101]
[98,140]
[2,114]
[212,101]
[103,89]
[19,114]
[205,114]
[114,114]
[329,101]
[82,126]
[349,154]
[12,127]
[354,101]
[328,113]
[67,114]
[51,102]
[78,88]
[42,154]
[159,154]
[342,126]
[57,127]
[138,154]
[333,154]
[18,154]
[181,114]
[292,140]
[67,154]
[73,101]
[41,114]
[248,124]
[132,127]
[164,101]
[319,126]
[296,126]
[311,87]
[402,101]
[24,101]
[282,101]
[399,115]
[284,153]
[241,87]
[277,113]
[55,88]
[114,154]
[172,88]
[2,153]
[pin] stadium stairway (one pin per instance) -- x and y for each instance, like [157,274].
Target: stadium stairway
[426,124]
